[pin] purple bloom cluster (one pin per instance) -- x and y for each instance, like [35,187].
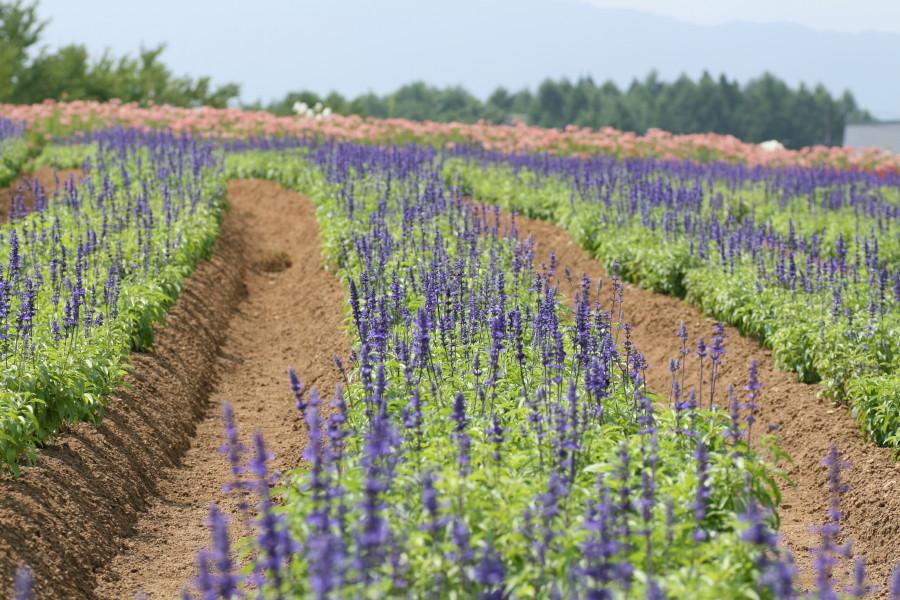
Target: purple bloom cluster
[489,438]
[92,267]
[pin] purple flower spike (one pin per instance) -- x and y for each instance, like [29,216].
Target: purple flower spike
[234,450]
[702,497]
[895,584]
[463,441]
[23,586]
[226,581]
[490,571]
[860,589]
[298,390]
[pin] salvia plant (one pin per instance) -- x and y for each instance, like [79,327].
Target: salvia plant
[87,273]
[13,149]
[491,440]
[807,260]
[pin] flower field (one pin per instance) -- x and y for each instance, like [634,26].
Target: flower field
[493,429]
[58,120]
[806,261]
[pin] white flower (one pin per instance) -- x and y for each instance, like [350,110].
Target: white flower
[771,146]
[300,108]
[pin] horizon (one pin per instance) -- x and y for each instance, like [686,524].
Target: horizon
[354,48]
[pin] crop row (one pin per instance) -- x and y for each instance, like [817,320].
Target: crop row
[13,149]
[489,440]
[805,260]
[58,119]
[88,273]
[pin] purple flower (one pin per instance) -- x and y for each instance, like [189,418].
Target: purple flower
[23,586]
[273,539]
[829,552]
[225,580]
[430,503]
[234,450]
[459,533]
[753,386]
[496,432]
[779,577]
[206,578]
[701,354]
[463,441]
[336,433]
[373,534]
[413,419]
[894,586]
[757,531]
[702,495]
[597,380]
[859,589]
[716,353]
[298,390]
[422,347]
[489,571]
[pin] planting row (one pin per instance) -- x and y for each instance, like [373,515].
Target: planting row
[87,274]
[807,261]
[53,120]
[13,150]
[489,441]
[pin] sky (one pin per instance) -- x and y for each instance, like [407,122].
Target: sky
[271,47]
[834,15]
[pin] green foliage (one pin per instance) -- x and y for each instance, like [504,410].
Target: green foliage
[494,497]
[764,108]
[14,153]
[857,365]
[63,377]
[71,156]
[69,73]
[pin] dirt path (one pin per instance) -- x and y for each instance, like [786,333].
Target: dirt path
[290,318]
[119,507]
[65,515]
[807,426]
[50,180]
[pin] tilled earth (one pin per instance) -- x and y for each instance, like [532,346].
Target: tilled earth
[120,507]
[805,425]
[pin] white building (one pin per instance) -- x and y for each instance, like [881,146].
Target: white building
[879,134]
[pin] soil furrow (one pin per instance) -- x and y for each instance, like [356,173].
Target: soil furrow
[49,179]
[805,426]
[65,515]
[291,316]
[119,507]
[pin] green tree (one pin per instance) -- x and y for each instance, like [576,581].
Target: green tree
[20,30]
[69,73]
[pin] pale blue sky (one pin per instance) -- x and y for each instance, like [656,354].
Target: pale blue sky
[273,46]
[838,15]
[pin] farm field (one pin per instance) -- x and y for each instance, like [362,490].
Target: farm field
[286,357]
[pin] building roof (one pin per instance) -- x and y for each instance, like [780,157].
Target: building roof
[878,134]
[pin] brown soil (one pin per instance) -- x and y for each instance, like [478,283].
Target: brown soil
[50,179]
[64,516]
[119,507]
[291,317]
[806,425]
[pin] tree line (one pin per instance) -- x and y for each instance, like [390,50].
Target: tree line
[29,73]
[764,108]
[761,109]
